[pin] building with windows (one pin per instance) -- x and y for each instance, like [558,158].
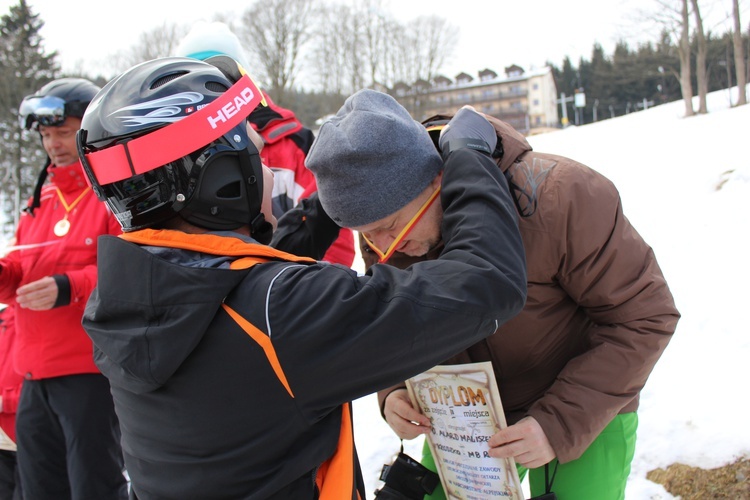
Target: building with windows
[525,100]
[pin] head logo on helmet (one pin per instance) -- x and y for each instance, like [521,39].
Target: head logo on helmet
[246,97]
[168,138]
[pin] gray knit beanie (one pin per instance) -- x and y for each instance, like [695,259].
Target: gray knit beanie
[371,159]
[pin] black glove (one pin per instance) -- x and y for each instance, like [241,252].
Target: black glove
[305,230]
[468,129]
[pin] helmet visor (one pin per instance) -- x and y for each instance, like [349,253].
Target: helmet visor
[41,110]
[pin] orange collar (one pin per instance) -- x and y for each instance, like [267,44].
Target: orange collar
[209,243]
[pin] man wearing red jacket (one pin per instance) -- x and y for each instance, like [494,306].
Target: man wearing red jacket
[68,435]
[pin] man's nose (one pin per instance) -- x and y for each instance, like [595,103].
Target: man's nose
[54,140]
[383,241]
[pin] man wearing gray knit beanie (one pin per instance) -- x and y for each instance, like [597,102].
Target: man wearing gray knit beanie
[377,168]
[598,314]
[378,172]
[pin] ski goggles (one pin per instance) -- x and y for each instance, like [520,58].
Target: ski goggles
[49,111]
[176,140]
[385,255]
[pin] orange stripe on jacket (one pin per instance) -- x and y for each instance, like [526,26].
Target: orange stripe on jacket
[335,477]
[264,342]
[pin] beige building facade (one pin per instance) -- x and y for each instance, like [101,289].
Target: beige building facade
[527,100]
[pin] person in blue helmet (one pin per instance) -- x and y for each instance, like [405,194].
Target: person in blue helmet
[286,142]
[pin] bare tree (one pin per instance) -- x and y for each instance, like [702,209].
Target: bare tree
[274,32]
[402,62]
[700,60]
[684,50]
[673,18]
[739,55]
[158,42]
[420,48]
[331,48]
[417,52]
[436,39]
[354,58]
[375,40]
[369,48]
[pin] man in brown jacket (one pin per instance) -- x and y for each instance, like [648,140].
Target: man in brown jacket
[598,316]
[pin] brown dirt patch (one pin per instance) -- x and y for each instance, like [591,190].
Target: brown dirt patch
[692,483]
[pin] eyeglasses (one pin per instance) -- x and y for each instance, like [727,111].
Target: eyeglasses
[41,110]
[384,256]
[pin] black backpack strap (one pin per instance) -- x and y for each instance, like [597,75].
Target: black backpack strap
[36,199]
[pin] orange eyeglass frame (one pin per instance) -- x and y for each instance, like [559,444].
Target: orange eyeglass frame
[384,256]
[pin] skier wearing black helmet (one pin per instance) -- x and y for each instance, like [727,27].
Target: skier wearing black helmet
[67,432]
[232,363]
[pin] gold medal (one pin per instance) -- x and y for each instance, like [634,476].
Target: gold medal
[62,227]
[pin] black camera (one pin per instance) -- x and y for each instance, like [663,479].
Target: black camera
[406,479]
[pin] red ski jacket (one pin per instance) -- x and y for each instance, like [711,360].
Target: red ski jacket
[52,343]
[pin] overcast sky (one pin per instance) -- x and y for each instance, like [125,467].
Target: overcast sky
[492,33]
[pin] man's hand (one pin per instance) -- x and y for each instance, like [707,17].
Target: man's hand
[525,441]
[39,295]
[403,418]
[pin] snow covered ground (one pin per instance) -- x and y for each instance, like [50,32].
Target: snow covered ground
[685,186]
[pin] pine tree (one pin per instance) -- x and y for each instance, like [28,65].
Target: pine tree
[24,68]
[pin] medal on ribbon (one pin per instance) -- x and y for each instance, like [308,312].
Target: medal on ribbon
[62,227]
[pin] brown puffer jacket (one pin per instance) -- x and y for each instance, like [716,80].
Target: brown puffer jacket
[599,312]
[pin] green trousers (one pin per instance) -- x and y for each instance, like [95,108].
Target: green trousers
[599,474]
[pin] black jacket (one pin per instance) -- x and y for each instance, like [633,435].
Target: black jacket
[231,363]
